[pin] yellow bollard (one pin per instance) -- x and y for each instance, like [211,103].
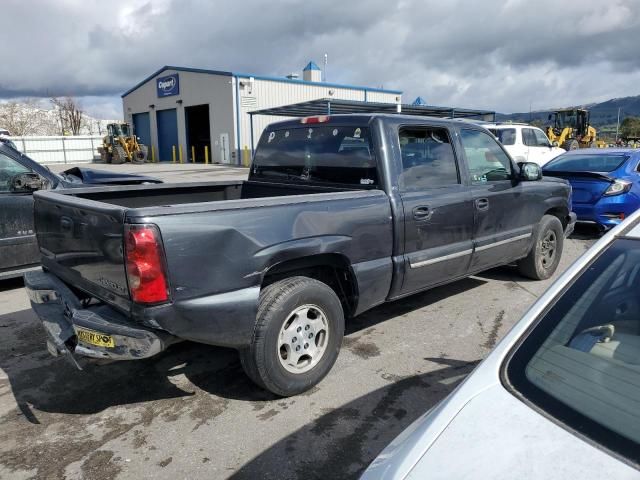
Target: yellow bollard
[206,154]
[173,153]
[193,154]
[246,156]
[180,153]
[153,155]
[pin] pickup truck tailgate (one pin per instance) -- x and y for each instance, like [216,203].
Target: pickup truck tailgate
[81,241]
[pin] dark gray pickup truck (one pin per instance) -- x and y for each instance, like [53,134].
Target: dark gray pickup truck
[339,214]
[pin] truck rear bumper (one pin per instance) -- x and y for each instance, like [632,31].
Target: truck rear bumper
[97,331]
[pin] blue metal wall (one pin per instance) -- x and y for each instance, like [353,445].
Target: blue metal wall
[167,133]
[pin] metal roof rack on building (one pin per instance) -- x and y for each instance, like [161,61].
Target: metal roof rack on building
[329,106]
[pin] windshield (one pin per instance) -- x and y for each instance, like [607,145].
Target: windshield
[582,361]
[586,163]
[506,136]
[312,154]
[566,119]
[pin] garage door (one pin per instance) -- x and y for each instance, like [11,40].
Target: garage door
[167,133]
[142,128]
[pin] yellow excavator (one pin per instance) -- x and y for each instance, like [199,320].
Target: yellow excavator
[120,145]
[571,130]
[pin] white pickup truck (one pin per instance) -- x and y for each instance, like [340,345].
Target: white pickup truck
[524,142]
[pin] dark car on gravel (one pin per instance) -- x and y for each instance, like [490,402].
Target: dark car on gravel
[339,214]
[20,176]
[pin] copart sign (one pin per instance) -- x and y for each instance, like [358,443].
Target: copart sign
[169,85]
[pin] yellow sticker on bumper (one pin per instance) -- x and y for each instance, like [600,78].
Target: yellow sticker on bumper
[95,338]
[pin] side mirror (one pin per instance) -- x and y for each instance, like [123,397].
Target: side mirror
[530,171]
[26,182]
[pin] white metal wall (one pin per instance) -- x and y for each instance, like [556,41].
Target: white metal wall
[383,97]
[59,149]
[262,93]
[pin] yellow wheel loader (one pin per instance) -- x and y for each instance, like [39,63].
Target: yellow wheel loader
[120,145]
[571,130]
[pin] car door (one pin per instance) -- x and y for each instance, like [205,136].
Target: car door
[437,206]
[18,247]
[503,221]
[540,150]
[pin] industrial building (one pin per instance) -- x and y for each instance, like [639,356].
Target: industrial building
[195,112]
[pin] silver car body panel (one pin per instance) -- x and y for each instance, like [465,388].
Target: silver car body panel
[487,432]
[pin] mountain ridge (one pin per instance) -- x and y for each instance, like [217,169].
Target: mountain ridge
[602,113]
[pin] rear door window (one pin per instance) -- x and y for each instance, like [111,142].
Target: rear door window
[428,159]
[317,154]
[528,137]
[581,363]
[506,136]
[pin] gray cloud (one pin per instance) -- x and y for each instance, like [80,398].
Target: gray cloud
[490,54]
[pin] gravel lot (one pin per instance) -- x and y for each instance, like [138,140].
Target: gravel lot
[192,413]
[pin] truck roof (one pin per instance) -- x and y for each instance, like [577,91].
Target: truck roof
[366,118]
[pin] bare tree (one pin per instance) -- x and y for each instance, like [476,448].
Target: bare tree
[70,117]
[22,118]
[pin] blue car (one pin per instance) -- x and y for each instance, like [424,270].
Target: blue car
[605,182]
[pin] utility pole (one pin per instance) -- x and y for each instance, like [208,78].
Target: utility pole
[324,70]
[618,125]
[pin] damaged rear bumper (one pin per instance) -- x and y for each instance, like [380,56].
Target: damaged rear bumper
[63,317]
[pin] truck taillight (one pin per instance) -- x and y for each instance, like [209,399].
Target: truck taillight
[145,264]
[316,119]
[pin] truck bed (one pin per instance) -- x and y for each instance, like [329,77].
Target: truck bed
[209,230]
[163,195]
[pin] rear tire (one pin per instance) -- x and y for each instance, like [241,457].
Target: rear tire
[297,336]
[141,155]
[571,144]
[543,259]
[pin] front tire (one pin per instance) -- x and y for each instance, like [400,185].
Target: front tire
[571,144]
[118,155]
[297,336]
[544,257]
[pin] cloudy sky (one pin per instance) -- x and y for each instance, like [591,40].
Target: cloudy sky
[499,55]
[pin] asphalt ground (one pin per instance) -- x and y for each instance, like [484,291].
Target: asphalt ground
[192,413]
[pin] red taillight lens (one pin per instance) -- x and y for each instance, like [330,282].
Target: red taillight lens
[145,264]
[316,119]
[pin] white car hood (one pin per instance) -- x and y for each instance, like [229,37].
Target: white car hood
[496,436]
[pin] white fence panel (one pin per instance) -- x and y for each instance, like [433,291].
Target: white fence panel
[51,149]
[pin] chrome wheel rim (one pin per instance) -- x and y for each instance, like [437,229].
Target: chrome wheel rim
[548,247]
[303,339]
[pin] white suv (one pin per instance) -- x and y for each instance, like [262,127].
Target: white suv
[524,142]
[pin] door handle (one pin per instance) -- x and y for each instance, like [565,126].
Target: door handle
[66,224]
[482,204]
[422,212]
